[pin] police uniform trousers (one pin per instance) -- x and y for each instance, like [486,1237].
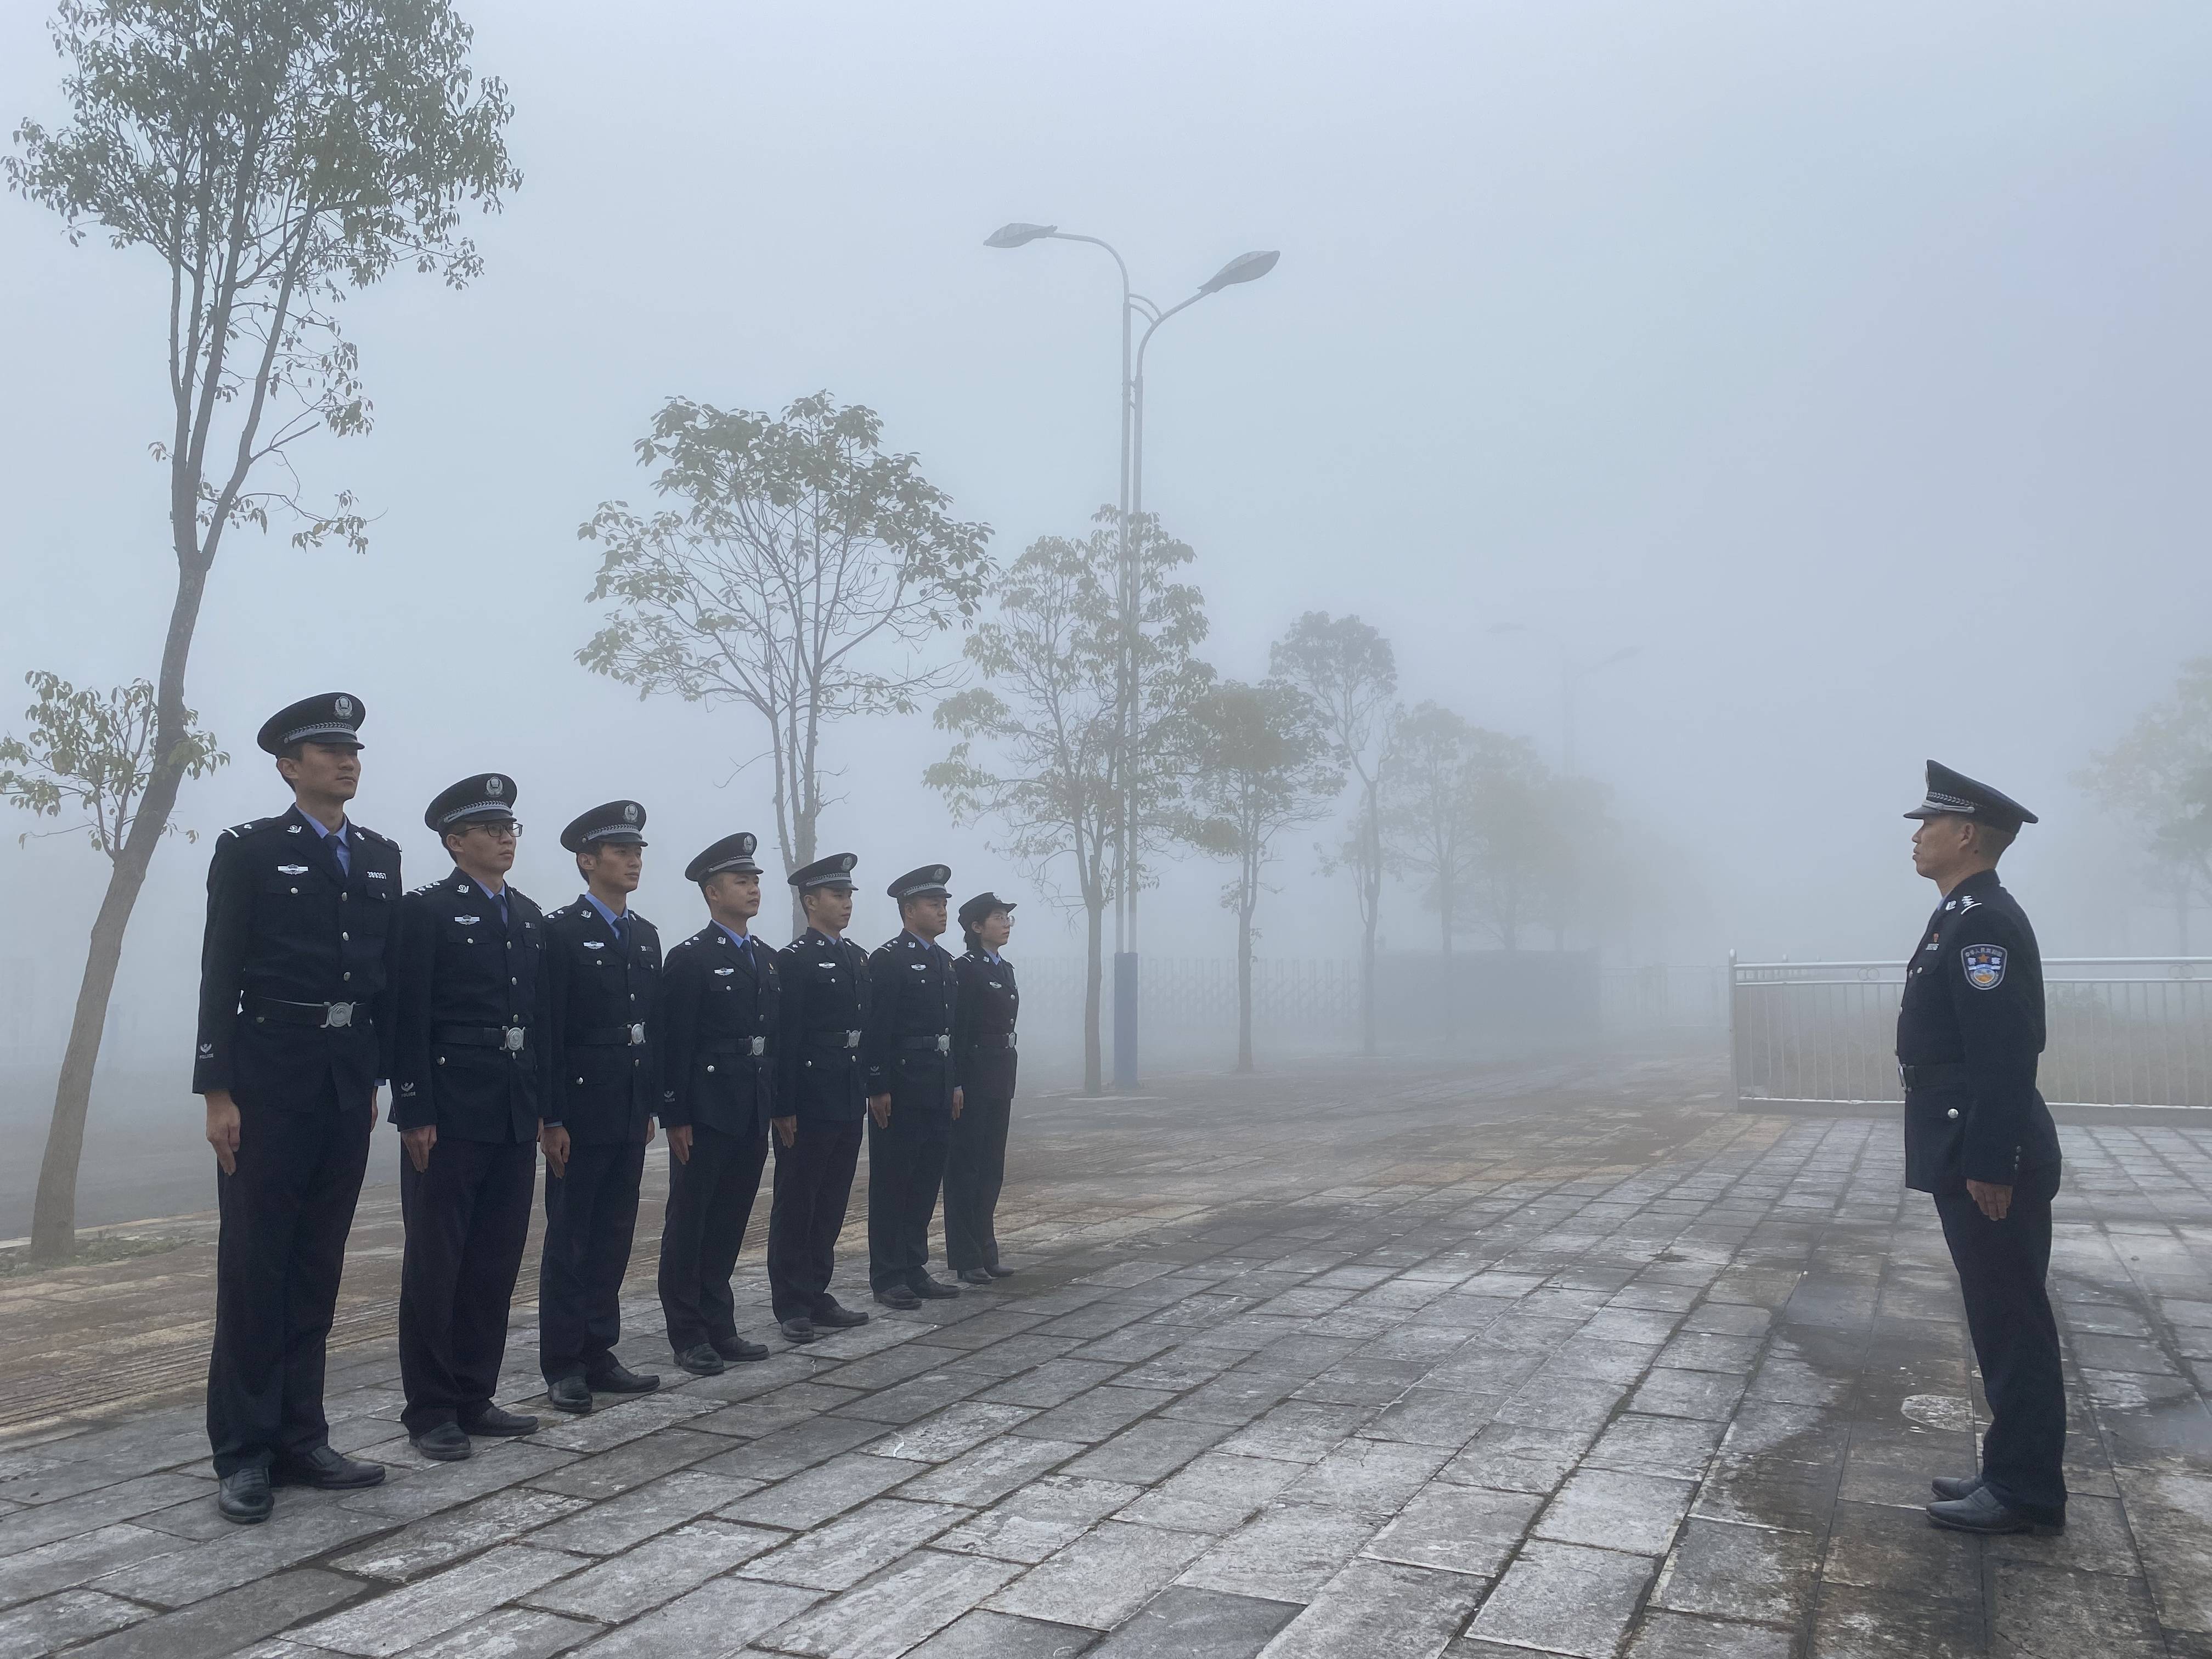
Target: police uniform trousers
[591,1217]
[975,1172]
[813,1186]
[467,1214]
[286,1210]
[2002,1268]
[710,1200]
[906,1164]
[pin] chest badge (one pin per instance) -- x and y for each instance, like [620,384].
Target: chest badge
[595,945]
[1984,965]
[719,971]
[291,869]
[468,921]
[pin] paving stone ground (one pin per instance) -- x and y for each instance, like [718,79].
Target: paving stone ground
[1361,1359]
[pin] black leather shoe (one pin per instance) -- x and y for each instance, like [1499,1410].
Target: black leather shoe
[570,1394]
[932,1290]
[243,1497]
[1981,1511]
[701,1360]
[1953,1486]
[898,1297]
[975,1276]
[836,1316]
[997,1271]
[448,1442]
[615,1377]
[737,1348]
[496,1422]
[324,1468]
[798,1330]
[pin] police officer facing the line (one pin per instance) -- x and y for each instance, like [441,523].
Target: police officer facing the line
[912,1096]
[1979,1138]
[719,1001]
[983,1065]
[818,1089]
[295,1034]
[604,964]
[468,1074]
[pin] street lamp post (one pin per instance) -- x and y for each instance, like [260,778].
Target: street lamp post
[1570,675]
[1245,268]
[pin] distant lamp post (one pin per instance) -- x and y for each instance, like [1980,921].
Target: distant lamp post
[1244,268]
[1571,674]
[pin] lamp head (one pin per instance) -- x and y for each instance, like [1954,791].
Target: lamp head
[1016,234]
[1244,268]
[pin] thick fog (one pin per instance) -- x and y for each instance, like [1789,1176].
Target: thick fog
[1846,362]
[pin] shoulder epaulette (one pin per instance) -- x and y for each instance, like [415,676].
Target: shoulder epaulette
[240,832]
[368,833]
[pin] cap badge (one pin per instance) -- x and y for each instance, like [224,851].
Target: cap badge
[494,787]
[629,812]
[344,706]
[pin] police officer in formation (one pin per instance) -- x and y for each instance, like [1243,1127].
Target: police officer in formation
[604,964]
[1978,1137]
[820,1096]
[913,1094]
[983,1066]
[468,1074]
[295,1023]
[720,997]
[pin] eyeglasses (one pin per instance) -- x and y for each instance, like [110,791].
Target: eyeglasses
[509,831]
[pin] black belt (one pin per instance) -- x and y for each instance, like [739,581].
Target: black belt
[609,1036]
[512,1038]
[740,1048]
[995,1039]
[334,1016]
[835,1039]
[1933,1074]
[940,1044]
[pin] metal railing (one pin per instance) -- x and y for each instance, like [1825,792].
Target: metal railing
[2133,1031]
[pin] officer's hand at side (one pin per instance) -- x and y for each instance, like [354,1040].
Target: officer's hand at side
[1993,1200]
[679,1141]
[787,1130]
[418,1143]
[554,1140]
[879,1108]
[652,1128]
[223,1129]
[959,1099]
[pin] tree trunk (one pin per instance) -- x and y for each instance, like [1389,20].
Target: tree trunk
[53,1212]
[1370,905]
[1244,986]
[1093,1074]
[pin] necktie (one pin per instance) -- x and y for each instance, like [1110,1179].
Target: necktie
[338,846]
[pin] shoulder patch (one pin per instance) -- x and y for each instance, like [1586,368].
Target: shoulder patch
[1984,965]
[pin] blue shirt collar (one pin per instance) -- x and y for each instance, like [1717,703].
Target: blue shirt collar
[741,940]
[607,915]
[316,824]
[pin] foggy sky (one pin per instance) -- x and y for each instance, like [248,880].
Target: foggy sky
[1847,360]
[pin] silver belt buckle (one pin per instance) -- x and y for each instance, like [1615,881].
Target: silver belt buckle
[760,1045]
[637,1034]
[1010,1039]
[852,1039]
[512,1038]
[944,1042]
[338,1015]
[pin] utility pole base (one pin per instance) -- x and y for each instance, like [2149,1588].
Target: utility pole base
[1125,1020]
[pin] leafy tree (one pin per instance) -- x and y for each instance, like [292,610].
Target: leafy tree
[271,154]
[1264,765]
[1036,742]
[1349,671]
[1431,810]
[801,555]
[1517,875]
[2159,777]
[91,751]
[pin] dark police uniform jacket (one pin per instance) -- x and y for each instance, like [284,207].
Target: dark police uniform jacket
[1968,1033]
[465,980]
[826,1000]
[983,1026]
[288,935]
[907,1051]
[720,1008]
[604,1077]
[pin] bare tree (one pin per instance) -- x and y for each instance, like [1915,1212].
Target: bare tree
[1264,766]
[802,556]
[1431,811]
[1349,671]
[2159,777]
[1036,739]
[272,153]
